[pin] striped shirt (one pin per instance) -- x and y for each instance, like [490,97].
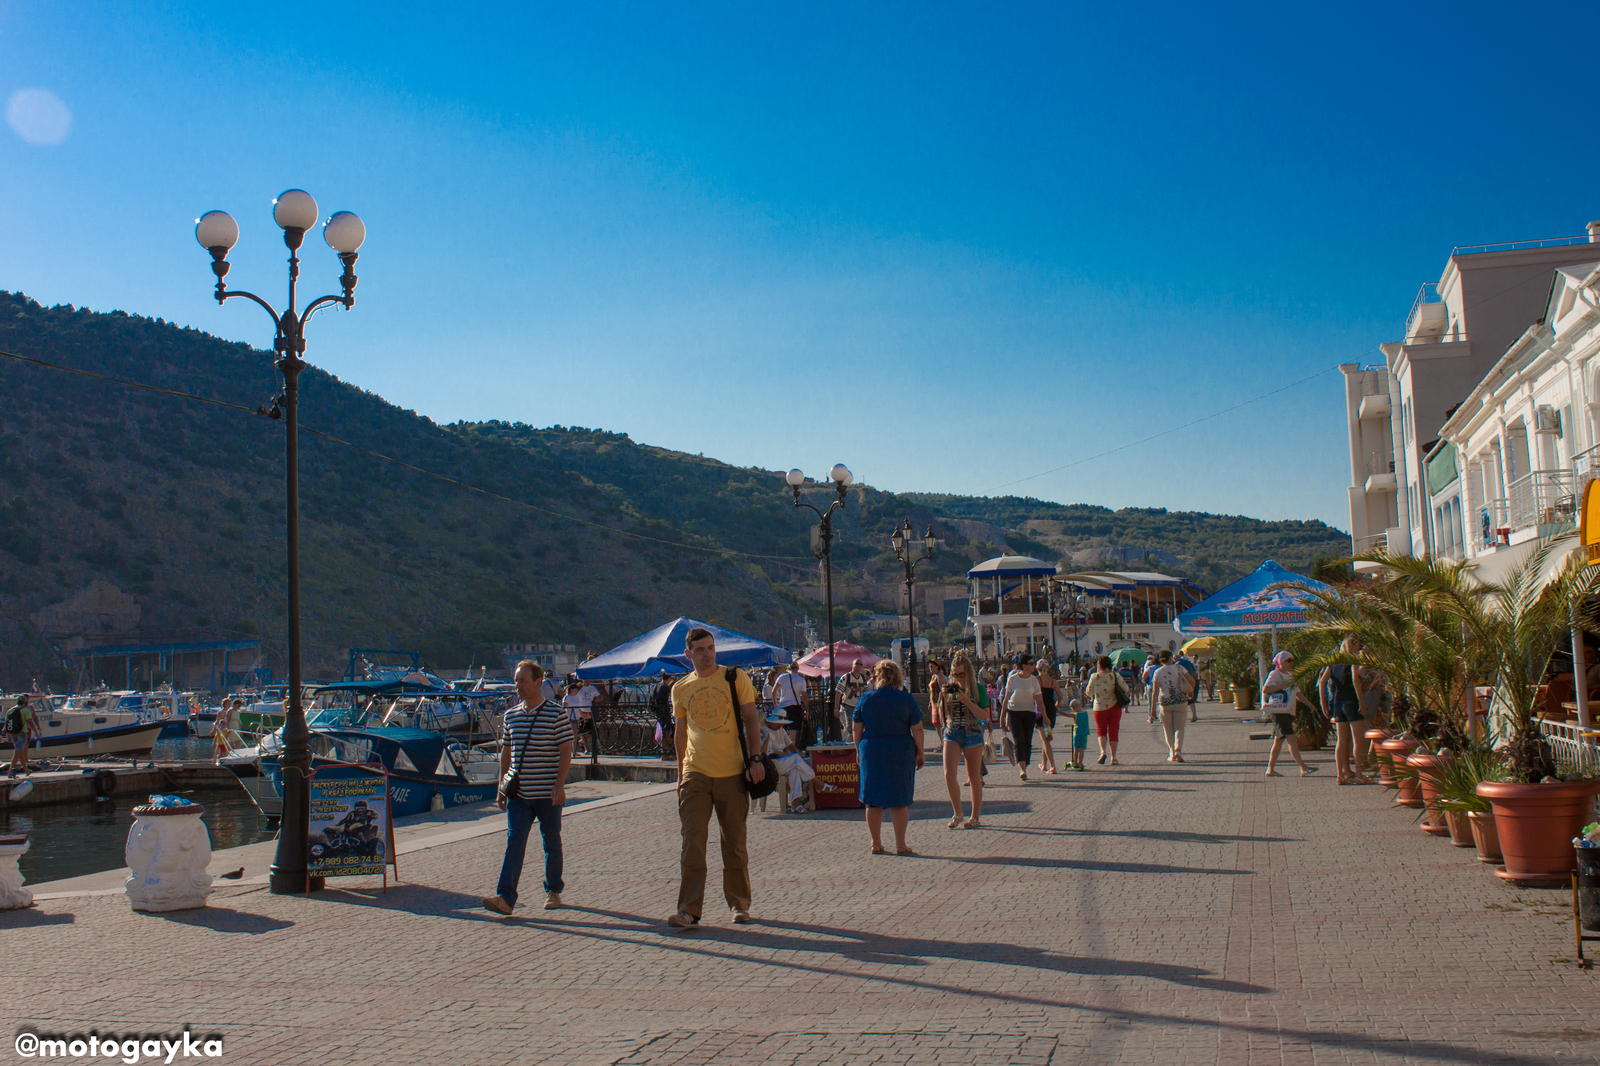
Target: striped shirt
[535,738]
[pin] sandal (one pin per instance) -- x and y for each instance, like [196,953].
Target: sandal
[1308,771]
[973,823]
[954,823]
[904,851]
[1274,773]
[877,849]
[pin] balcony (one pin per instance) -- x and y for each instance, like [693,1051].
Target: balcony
[1517,246]
[1542,498]
[1376,406]
[1428,316]
[1494,524]
[1380,474]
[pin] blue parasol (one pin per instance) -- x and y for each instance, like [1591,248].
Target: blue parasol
[1251,605]
[662,649]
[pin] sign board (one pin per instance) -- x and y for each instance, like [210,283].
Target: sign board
[838,781]
[1589,524]
[1074,624]
[350,831]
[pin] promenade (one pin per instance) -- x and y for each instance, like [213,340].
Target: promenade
[1148,913]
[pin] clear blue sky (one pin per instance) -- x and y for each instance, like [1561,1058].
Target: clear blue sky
[949,245]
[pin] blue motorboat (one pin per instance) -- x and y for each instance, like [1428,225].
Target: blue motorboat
[422,765]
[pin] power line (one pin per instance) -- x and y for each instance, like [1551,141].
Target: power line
[400,463]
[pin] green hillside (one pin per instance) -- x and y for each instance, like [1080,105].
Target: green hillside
[180,504]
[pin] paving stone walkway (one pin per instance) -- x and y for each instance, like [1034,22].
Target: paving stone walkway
[1148,913]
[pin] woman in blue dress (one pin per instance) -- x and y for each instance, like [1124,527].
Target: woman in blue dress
[888,735]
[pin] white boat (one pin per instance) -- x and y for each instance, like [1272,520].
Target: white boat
[97,723]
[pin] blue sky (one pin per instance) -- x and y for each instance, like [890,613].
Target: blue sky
[949,245]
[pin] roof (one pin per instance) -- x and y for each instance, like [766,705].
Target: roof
[167,647]
[1012,566]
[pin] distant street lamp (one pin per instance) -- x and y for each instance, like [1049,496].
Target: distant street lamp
[904,545]
[296,212]
[822,547]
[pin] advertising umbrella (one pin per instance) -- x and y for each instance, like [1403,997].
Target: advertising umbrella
[1136,656]
[1251,605]
[662,649]
[1199,646]
[844,656]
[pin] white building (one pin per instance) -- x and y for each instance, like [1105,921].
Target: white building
[1458,329]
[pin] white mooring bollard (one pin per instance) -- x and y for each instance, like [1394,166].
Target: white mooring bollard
[12,894]
[168,852]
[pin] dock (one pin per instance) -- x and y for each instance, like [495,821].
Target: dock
[76,783]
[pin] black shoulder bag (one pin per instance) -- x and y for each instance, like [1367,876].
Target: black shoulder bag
[769,780]
[512,781]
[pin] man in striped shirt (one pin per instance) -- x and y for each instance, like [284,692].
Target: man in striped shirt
[536,741]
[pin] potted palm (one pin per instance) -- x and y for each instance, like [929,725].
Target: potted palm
[1470,816]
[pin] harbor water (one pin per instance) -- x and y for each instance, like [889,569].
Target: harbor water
[72,839]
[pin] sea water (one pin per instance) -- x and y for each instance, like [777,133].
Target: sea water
[72,839]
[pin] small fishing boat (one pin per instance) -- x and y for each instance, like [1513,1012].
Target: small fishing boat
[426,771]
[95,723]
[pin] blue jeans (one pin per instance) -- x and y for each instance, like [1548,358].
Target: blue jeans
[520,814]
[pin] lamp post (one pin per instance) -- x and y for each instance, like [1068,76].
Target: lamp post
[296,212]
[822,546]
[904,543]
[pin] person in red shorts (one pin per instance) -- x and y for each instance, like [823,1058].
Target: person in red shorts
[1109,696]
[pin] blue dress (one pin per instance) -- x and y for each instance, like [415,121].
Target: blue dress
[888,754]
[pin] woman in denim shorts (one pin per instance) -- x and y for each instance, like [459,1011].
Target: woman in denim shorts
[962,713]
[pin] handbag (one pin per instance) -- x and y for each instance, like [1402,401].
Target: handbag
[513,777]
[769,769]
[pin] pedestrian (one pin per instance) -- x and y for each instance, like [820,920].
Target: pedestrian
[21,727]
[1146,672]
[1172,686]
[661,707]
[1109,695]
[1130,681]
[962,712]
[1279,696]
[579,702]
[535,755]
[886,726]
[1194,683]
[1049,694]
[1347,686]
[1024,704]
[789,696]
[1208,674]
[712,771]
[1080,733]
[851,686]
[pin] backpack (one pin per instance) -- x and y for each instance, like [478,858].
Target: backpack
[14,719]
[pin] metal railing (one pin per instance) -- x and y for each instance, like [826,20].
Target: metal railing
[1585,468]
[1570,745]
[1428,294]
[1379,464]
[1376,543]
[1516,246]
[1541,498]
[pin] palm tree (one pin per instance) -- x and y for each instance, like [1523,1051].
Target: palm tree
[1436,634]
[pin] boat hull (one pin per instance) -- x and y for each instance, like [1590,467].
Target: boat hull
[262,780]
[136,738]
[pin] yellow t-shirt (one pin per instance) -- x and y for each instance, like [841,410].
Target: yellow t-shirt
[700,705]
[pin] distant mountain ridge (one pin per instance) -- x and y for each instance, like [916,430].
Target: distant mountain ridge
[175,509]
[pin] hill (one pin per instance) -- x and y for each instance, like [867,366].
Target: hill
[129,515]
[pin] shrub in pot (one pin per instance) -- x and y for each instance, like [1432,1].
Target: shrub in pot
[1469,815]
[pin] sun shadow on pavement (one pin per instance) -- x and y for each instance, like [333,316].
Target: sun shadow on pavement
[222,920]
[1096,867]
[32,917]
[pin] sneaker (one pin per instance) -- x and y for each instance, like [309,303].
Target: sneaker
[496,904]
[741,916]
[552,901]
[683,921]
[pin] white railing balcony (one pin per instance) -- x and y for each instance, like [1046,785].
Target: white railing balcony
[1378,542]
[1542,498]
[1585,467]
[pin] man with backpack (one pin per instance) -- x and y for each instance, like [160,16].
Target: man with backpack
[1171,688]
[21,726]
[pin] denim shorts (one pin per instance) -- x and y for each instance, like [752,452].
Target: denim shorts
[967,738]
[1347,711]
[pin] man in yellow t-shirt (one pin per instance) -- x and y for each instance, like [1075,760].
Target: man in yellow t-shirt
[711,774]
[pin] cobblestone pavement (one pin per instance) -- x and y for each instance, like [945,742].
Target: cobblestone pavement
[1194,913]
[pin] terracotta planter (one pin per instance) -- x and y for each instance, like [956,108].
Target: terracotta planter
[1375,738]
[1460,828]
[1398,749]
[1536,824]
[1433,822]
[1485,836]
[1314,741]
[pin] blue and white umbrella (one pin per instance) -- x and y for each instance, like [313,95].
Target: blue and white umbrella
[1252,605]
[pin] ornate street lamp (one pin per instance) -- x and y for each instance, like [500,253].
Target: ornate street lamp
[904,544]
[822,547]
[296,212]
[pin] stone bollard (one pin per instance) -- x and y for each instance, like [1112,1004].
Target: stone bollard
[12,894]
[168,851]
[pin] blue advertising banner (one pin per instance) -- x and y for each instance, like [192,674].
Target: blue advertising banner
[351,832]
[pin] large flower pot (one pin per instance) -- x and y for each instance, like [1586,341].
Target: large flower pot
[1225,695]
[1460,828]
[1315,740]
[1485,836]
[1398,749]
[1423,763]
[1375,739]
[1244,698]
[1536,824]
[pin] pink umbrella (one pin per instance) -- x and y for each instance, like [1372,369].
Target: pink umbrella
[845,655]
